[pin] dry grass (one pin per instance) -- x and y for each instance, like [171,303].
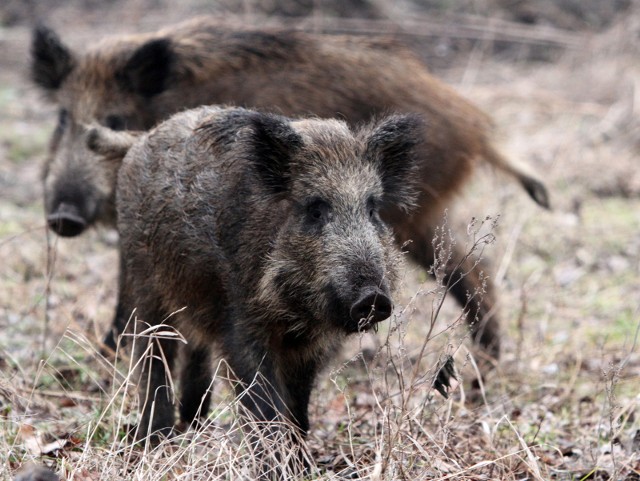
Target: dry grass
[562,404]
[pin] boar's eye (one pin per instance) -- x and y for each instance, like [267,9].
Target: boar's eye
[63,119]
[115,122]
[372,208]
[317,211]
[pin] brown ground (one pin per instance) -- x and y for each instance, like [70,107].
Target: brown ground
[563,403]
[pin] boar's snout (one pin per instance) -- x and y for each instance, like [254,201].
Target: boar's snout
[66,220]
[372,306]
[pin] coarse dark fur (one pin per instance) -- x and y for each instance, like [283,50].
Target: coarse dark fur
[267,232]
[133,82]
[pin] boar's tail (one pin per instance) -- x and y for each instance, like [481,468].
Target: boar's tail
[534,187]
[110,143]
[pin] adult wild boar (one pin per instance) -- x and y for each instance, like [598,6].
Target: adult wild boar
[268,230]
[133,82]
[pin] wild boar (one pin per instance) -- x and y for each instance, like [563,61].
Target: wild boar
[268,232]
[133,82]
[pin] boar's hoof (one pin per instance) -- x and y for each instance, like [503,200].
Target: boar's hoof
[372,307]
[66,222]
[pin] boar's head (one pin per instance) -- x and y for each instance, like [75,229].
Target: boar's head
[113,85]
[334,258]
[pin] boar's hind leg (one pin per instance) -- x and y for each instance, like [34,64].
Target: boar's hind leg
[112,337]
[110,341]
[463,280]
[156,355]
[195,381]
[120,320]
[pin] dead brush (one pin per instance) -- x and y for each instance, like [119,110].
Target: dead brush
[228,446]
[99,441]
[393,406]
[376,416]
[396,393]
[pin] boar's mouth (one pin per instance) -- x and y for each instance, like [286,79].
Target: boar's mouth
[66,221]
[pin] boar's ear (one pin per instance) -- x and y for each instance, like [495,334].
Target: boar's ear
[147,71]
[273,144]
[391,146]
[51,60]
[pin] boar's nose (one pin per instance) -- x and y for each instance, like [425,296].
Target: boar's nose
[66,221]
[373,306]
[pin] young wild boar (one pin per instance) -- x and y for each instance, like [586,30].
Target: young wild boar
[133,82]
[268,232]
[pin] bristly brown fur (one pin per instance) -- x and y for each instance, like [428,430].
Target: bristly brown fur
[275,261]
[133,82]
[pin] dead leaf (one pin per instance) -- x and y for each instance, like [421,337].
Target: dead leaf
[34,443]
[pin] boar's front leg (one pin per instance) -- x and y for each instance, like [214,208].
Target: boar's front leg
[273,389]
[195,380]
[299,378]
[273,383]
[258,385]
